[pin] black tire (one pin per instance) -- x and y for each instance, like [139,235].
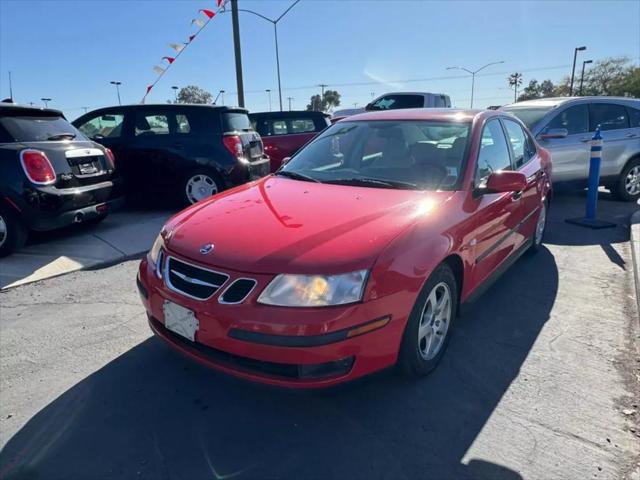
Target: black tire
[210,178]
[620,189]
[536,244]
[411,361]
[15,232]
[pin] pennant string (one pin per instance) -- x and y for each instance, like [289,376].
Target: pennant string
[210,16]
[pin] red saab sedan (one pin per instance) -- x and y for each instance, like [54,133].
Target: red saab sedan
[356,254]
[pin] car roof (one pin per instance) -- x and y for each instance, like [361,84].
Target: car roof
[410,93]
[287,113]
[556,101]
[138,106]
[15,108]
[447,114]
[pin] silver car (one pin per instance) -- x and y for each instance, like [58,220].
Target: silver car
[565,125]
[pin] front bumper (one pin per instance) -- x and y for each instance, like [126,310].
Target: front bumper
[259,356]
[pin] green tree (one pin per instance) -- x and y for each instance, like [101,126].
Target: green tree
[515,80]
[326,103]
[193,94]
[628,85]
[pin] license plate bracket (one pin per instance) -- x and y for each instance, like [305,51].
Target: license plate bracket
[180,320]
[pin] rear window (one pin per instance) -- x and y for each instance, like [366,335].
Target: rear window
[528,116]
[40,128]
[393,102]
[236,122]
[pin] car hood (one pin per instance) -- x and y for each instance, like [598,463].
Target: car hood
[281,225]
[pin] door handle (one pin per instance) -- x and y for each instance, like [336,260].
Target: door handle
[631,135]
[516,195]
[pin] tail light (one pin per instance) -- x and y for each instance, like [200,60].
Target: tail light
[111,158]
[234,145]
[37,167]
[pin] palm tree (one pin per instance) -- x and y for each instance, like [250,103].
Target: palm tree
[515,80]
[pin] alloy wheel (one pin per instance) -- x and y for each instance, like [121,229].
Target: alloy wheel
[632,181]
[3,231]
[434,321]
[540,226]
[199,187]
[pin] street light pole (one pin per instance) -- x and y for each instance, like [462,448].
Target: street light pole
[268,90]
[117,84]
[290,98]
[175,93]
[582,74]
[236,46]
[46,102]
[234,8]
[573,70]
[473,74]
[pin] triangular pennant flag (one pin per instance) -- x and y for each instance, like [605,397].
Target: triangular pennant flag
[220,3]
[208,13]
[169,59]
[149,87]
[191,37]
[177,47]
[158,69]
[198,21]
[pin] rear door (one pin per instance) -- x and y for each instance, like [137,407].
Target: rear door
[617,134]
[285,135]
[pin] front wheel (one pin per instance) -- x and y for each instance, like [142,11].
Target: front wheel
[429,326]
[200,184]
[627,188]
[13,233]
[541,226]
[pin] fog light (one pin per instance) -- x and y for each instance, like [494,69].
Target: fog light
[329,369]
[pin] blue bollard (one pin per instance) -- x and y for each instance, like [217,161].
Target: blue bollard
[594,174]
[589,220]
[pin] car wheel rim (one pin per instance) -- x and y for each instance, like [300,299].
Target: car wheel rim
[200,187]
[632,181]
[434,321]
[542,221]
[3,231]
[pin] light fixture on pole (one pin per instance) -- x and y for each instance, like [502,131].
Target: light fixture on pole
[117,84]
[175,93]
[46,102]
[268,90]
[274,22]
[582,74]
[473,74]
[573,70]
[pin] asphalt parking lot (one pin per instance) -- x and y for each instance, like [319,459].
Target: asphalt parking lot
[541,381]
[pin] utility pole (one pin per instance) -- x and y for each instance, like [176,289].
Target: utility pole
[236,47]
[322,86]
[290,98]
[46,102]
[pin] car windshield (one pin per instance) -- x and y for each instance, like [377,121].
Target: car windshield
[394,102]
[529,116]
[40,128]
[426,155]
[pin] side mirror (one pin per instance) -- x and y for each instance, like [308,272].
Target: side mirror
[285,160]
[554,133]
[499,182]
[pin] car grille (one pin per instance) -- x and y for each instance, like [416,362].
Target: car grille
[194,282]
[238,291]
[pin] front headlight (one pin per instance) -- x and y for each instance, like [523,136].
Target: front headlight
[155,249]
[314,290]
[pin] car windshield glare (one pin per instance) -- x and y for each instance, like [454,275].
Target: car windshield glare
[402,154]
[528,116]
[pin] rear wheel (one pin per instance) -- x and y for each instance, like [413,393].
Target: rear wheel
[627,188]
[13,233]
[429,326]
[200,184]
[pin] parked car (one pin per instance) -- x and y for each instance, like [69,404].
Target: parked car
[356,254]
[186,151]
[284,133]
[50,175]
[345,112]
[398,100]
[565,126]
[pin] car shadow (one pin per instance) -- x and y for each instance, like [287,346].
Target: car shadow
[151,413]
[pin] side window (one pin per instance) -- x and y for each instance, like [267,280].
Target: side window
[302,125]
[182,124]
[573,119]
[634,117]
[108,125]
[520,143]
[151,124]
[278,127]
[494,152]
[609,116]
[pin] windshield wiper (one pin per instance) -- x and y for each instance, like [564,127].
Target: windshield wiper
[296,176]
[61,136]
[374,182]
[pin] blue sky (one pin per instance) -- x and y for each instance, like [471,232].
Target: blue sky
[70,50]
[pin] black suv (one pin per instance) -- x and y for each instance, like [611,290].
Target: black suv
[189,152]
[50,175]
